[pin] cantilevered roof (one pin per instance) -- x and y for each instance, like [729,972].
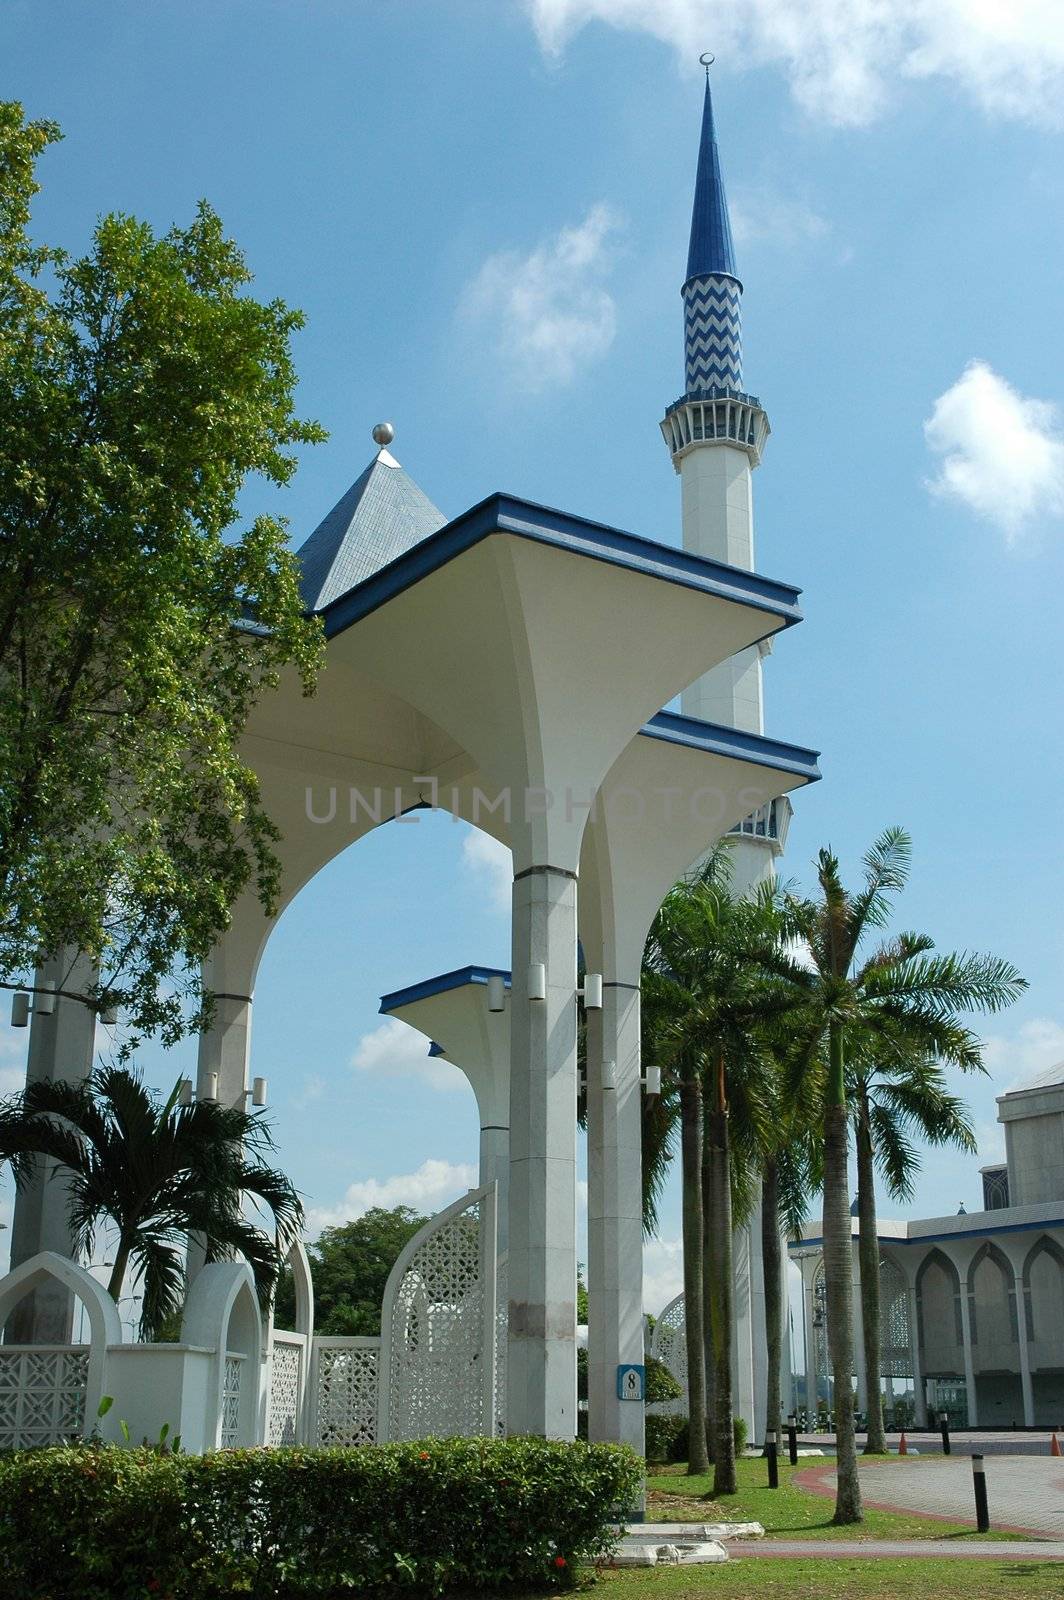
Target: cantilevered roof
[381,516]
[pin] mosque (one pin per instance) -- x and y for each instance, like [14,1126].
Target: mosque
[509,665]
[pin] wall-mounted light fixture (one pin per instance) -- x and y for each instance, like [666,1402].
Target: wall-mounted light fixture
[591,993]
[652,1081]
[184,1097]
[210,1086]
[258,1091]
[44,997]
[537,981]
[20,1009]
[609,1074]
[496,993]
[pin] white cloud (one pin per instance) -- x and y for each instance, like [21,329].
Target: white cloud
[1012,1058]
[662,1273]
[761,215]
[546,313]
[1002,453]
[428,1190]
[842,57]
[395,1050]
[492,867]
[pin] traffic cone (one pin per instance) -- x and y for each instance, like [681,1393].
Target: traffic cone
[903,1444]
[1054,1447]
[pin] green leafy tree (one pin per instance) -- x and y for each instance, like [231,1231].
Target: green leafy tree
[140,386]
[903,995]
[349,1266]
[155,1172]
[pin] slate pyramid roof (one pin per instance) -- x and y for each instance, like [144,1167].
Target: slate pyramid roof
[381,516]
[711,251]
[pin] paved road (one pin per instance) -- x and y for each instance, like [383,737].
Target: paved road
[1024,1492]
[881,1549]
[963,1443]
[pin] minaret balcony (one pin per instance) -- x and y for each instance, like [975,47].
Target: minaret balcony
[768,824]
[724,416]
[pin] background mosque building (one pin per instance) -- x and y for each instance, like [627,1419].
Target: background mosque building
[972,1305]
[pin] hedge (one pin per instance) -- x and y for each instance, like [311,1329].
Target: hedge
[667,1440]
[105,1523]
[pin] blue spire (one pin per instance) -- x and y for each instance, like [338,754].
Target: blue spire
[712,251]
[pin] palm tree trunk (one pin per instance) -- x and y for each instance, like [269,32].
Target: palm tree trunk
[868,1255]
[118,1270]
[838,1281]
[691,1158]
[772,1261]
[721,1285]
[707,1285]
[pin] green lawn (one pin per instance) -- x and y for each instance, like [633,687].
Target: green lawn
[857,1579]
[787,1512]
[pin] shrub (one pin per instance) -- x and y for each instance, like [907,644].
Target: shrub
[661,1385]
[739,1434]
[662,1434]
[103,1523]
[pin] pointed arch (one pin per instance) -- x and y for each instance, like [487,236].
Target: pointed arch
[990,1254]
[1045,1324]
[929,1331]
[105,1325]
[222,1315]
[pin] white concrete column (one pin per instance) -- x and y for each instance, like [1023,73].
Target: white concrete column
[1025,1354]
[61,1049]
[919,1391]
[744,1333]
[969,1365]
[858,1337]
[808,1313]
[495,1167]
[541,1349]
[615,1213]
[225,1046]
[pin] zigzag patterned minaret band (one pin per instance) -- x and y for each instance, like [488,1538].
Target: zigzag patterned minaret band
[713,335]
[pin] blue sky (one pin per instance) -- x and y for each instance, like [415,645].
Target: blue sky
[482,205]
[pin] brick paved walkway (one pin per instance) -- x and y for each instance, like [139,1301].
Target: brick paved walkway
[1025,1493]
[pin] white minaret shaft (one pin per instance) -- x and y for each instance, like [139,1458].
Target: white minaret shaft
[716,433]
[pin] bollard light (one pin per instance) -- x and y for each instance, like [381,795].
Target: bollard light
[258,1091]
[982,1508]
[20,1009]
[496,993]
[772,1455]
[592,991]
[537,981]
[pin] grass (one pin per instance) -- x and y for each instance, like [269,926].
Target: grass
[788,1512]
[859,1579]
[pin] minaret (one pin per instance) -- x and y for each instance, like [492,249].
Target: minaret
[716,434]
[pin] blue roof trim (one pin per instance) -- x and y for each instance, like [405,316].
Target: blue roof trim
[716,739]
[711,248]
[447,980]
[505,514]
[950,1233]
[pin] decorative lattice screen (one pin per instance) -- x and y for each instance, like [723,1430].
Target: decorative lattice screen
[231,1403]
[346,1377]
[669,1342]
[42,1396]
[286,1375]
[439,1334]
[896,1349]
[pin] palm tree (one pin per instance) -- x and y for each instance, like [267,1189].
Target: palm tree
[903,993]
[156,1172]
[893,1095]
[712,961]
